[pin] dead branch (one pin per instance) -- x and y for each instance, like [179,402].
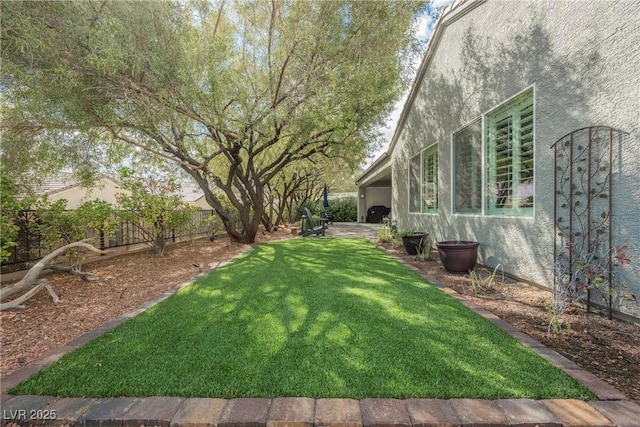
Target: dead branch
[87,276]
[39,285]
[31,279]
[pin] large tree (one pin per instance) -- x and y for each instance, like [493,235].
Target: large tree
[233,92]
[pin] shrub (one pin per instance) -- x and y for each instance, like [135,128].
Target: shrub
[154,208]
[9,205]
[343,210]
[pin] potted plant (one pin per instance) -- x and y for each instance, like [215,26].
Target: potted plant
[458,256]
[412,240]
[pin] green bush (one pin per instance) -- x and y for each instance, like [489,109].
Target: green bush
[343,210]
[9,205]
[154,208]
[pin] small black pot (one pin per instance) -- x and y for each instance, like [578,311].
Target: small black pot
[458,256]
[411,243]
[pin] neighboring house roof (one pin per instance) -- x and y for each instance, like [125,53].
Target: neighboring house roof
[449,14]
[56,184]
[62,182]
[190,192]
[64,187]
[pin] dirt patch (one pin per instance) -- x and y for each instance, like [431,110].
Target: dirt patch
[608,349]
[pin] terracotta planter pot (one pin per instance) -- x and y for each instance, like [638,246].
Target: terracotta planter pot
[411,243]
[458,256]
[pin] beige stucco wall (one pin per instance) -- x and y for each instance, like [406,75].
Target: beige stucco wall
[201,203]
[378,196]
[105,189]
[582,61]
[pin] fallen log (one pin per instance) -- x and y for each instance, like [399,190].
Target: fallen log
[39,285]
[32,280]
[87,276]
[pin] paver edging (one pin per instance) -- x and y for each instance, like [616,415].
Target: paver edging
[308,412]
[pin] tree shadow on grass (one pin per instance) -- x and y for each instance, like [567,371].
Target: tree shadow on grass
[311,318]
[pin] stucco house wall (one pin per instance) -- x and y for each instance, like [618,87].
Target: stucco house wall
[75,195]
[581,61]
[192,195]
[106,189]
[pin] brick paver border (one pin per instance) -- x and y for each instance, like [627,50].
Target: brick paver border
[306,412]
[611,409]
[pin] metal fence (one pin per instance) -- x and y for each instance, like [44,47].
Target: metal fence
[30,246]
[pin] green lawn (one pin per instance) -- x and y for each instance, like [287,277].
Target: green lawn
[307,317]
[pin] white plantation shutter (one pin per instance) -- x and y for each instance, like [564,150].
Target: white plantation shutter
[430,179]
[525,185]
[510,159]
[423,181]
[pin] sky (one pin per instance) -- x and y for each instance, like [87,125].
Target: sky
[424,32]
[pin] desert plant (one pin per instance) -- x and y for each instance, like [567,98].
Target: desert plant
[57,225]
[10,204]
[405,232]
[60,226]
[578,274]
[424,248]
[478,282]
[384,234]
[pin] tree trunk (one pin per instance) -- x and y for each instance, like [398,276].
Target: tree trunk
[84,275]
[248,223]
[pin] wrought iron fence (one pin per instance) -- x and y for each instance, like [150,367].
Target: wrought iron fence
[30,246]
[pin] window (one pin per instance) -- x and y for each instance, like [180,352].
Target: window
[509,145]
[414,184]
[430,179]
[423,181]
[467,169]
[506,186]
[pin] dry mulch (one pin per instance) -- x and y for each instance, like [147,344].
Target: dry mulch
[608,349]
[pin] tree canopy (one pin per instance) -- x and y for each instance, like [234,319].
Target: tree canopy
[231,91]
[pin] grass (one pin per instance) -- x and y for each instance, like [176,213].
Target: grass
[307,318]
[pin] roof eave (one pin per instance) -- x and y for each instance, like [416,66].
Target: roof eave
[451,13]
[379,162]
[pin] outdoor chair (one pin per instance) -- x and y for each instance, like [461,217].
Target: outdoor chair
[312,225]
[328,217]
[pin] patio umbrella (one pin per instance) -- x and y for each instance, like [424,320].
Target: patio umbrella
[325,197]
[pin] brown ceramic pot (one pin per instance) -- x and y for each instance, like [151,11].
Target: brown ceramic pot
[458,256]
[412,242]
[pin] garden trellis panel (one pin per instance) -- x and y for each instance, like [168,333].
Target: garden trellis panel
[583,222]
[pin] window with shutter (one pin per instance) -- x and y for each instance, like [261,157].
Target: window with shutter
[509,142]
[467,174]
[423,181]
[430,179]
